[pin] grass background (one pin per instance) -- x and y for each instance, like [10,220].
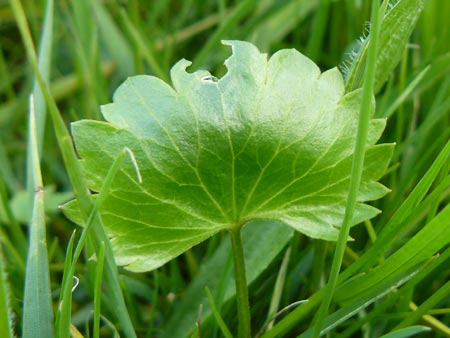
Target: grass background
[90,47]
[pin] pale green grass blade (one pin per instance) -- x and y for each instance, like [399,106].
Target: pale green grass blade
[436,264]
[195,333]
[39,106]
[74,171]
[63,322]
[84,25]
[241,9]
[305,310]
[366,112]
[44,59]
[439,296]
[431,120]
[439,68]
[373,294]
[6,319]
[401,97]
[63,315]
[407,332]
[280,22]
[98,290]
[296,316]
[396,29]
[278,289]
[85,51]
[315,42]
[427,242]
[220,322]
[37,307]
[144,47]
[117,45]
[188,32]
[395,224]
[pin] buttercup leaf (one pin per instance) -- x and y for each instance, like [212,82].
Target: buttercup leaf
[272,139]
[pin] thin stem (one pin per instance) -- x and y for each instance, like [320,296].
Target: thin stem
[243,307]
[357,169]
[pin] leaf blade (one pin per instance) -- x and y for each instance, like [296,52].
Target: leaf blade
[272,139]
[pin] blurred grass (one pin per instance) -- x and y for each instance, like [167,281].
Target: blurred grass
[97,44]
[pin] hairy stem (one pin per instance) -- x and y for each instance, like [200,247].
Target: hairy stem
[243,307]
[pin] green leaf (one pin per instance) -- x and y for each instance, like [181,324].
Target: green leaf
[407,332]
[272,139]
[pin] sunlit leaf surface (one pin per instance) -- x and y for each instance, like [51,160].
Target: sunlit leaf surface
[272,139]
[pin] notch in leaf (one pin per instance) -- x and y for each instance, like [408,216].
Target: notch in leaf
[272,139]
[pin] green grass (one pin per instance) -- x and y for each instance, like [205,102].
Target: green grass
[394,276]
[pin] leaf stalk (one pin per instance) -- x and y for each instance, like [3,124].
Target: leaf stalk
[243,306]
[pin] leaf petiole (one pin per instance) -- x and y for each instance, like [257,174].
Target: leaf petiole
[243,307]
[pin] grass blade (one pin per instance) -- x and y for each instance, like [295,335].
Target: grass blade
[405,94]
[279,21]
[278,289]
[395,224]
[63,316]
[144,48]
[426,243]
[375,293]
[44,60]
[223,327]
[5,297]
[438,296]
[112,36]
[357,168]
[321,18]
[37,307]
[98,290]
[241,9]
[76,177]
[407,332]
